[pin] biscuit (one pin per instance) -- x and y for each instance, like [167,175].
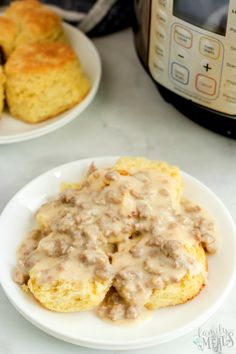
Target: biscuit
[8,33]
[35,23]
[186,289]
[65,278]
[46,214]
[162,266]
[69,296]
[135,164]
[43,80]
[190,285]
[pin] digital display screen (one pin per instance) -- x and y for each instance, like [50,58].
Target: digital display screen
[208,14]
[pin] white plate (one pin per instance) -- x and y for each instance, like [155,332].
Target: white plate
[85,328]
[13,130]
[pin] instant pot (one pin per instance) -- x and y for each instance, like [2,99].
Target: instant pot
[188,47]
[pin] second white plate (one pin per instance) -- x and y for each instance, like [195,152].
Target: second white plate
[13,130]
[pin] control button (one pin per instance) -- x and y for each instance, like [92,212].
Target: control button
[161,17]
[209,48]
[159,65]
[180,73]
[161,33]
[183,36]
[205,84]
[159,50]
[163,3]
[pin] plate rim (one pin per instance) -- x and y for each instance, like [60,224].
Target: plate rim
[57,124]
[134,343]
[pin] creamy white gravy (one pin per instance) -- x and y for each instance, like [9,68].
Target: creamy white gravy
[130,229]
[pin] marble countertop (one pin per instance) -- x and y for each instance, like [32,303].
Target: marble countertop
[127,117]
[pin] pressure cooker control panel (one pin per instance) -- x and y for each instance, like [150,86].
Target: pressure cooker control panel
[192,50]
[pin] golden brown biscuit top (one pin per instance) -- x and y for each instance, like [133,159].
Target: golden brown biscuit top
[19,7]
[7,28]
[42,21]
[37,17]
[39,57]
